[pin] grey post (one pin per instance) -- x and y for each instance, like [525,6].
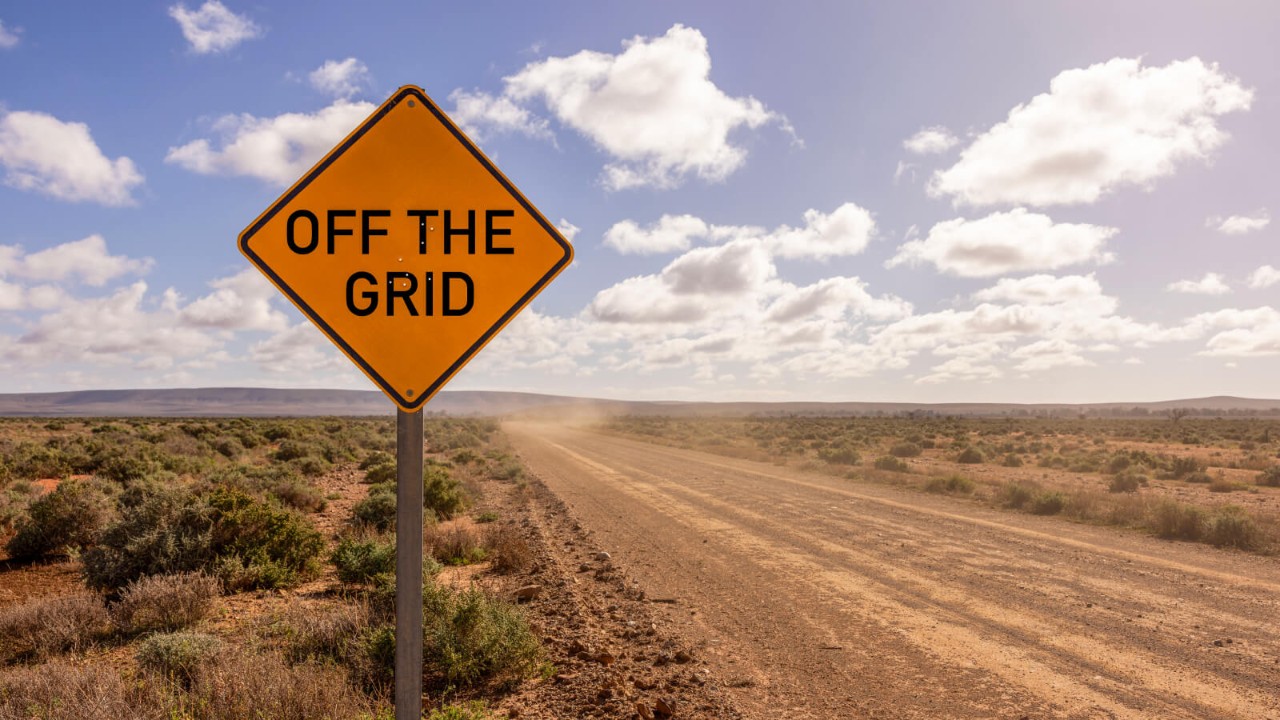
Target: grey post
[408,565]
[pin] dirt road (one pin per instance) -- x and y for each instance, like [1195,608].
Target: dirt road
[817,597]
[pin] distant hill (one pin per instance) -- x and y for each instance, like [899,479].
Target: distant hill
[195,402]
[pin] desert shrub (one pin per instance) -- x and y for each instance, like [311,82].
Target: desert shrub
[60,690]
[246,542]
[1231,526]
[507,469]
[177,656]
[50,625]
[970,456]
[1049,502]
[1117,463]
[1199,477]
[1221,484]
[841,454]
[1177,521]
[1269,477]
[290,449]
[1011,460]
[469,637]
[242,684]
[32,461]
[299,494]
[377,457]
[276,545]
[441,492]
[229,446]
[508,551]
[1127,481]
[361,561]
[161,530]
[311,465]
[454,544]
[1083,505]
[380,473]
[165,602]
[465,457]
[951,484]
[889,462]
[1017,493]
[73,515]
[1182,466]
[905,450]
[378,509]
[333,634]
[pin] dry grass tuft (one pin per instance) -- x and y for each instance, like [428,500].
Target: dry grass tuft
[508,550]
[48,626]
[165,602]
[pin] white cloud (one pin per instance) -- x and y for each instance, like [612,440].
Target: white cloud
[240,302]
[114,329]
[1098,128]
[568,229]
[87,259]
[1253,332]
[1048,354]
[644,299]
[735,268]
[480,114]
[278,150]
[1239,224]
[1210,284]
[668,234]
[652,107]
[1044,290]
[1006,242]
[40,152]
[844,231]
[340,78]
[213,28]
[8,38]
[1264,277]
[834,298]
[930,141]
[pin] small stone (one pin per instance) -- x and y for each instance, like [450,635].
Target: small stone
[584,567]
[605,659]
[576,647]
[1218,643]
[602,556]
[664,707]
[683,657]
[527,593]
[644,712]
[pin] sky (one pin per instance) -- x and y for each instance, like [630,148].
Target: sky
[837,201]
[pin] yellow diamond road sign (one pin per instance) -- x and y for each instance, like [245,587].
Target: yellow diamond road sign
[407,247]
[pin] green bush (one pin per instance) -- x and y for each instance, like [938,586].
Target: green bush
[73,515]
[1269,477]
[905,450]
[1174,520]
[1231,526]
[1050,502]
[177,655]
[276,544]
[381,473]
[970,456]
[1127,481]
[165,602]
[441,492]
[842,454]
[245,541]
[469,637]
[952,484]
[1011,460]
[378,509]
[363,561]
[1017,494]
[889,462]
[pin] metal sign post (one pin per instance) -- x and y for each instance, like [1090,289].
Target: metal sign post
[409,565]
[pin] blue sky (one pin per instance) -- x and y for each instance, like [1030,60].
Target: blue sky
[925,201]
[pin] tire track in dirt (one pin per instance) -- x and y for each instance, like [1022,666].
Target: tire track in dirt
[931,601]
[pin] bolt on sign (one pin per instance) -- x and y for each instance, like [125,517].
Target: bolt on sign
[407,248]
